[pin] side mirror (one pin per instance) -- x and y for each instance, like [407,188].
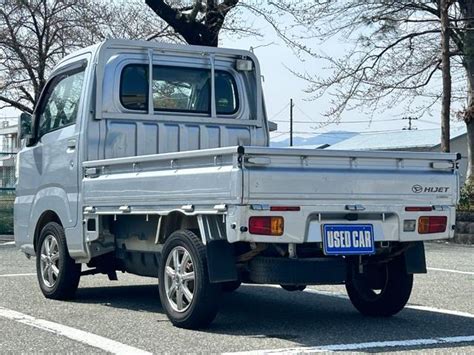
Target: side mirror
[25,131]
[272,126]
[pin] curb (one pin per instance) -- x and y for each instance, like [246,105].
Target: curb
[463,238]
[464,228]
[6,238]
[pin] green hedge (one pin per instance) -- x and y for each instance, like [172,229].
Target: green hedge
[6,212]
[466,201]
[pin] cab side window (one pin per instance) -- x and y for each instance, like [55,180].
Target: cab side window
[226,93]
[61,103]
[134,87]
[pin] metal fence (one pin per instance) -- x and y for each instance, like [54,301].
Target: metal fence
[7,191]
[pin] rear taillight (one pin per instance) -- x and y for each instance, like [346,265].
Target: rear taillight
[285,208]
[266,225]
[432,224]
[418,208]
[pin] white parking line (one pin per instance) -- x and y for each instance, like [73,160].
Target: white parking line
[81,336]
[442,311]
[418,308]
[369,345]
[415,307]
[7,243]
[363,346]
[449,270]
[15,275]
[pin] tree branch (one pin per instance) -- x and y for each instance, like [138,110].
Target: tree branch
[16,104]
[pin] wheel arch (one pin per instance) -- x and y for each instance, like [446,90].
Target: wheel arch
[177,220]
[44,219]
[210,228]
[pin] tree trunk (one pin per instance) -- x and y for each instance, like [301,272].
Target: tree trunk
[469,117]
[446,70]
[470,152]
[467,9]
[193,32]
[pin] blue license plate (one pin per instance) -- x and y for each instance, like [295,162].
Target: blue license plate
[348,239]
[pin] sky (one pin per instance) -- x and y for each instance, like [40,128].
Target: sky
[280,85]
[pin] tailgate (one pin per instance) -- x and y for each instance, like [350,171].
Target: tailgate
[388,178]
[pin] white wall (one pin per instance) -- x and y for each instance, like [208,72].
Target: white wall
[458,145]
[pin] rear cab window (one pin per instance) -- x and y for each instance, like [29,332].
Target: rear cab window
[178,89]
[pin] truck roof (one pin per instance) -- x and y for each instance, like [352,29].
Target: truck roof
[154,45]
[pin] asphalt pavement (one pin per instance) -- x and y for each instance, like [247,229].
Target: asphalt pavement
[126,316]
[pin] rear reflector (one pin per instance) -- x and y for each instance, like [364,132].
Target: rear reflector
[284,208]
[266,225]
[432,224]
[417,209]
[409,225]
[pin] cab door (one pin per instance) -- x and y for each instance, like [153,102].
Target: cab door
[49,167]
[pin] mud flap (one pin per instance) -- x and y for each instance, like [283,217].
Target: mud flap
[415,261]
[221,261]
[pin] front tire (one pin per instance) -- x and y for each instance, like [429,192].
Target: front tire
[384,297]
[58,274]
[188,298]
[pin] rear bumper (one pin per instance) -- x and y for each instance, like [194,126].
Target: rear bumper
[305,225]
[308,271]
[328,270]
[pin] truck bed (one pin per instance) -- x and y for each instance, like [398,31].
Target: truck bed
[248,175]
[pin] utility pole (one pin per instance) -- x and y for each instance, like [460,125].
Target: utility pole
[446,73]
[410,127]
[291,122]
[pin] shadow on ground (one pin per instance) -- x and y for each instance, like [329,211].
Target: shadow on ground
[307,319]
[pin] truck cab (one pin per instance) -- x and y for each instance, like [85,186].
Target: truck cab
[153,159]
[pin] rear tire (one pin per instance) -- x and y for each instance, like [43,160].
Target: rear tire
[58,274]
[188,298]
[230,286]
[395,289]
[292,288]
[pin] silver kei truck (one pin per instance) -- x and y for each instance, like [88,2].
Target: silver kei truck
[154,159]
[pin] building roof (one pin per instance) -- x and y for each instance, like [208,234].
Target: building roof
[423,138]
[311,140]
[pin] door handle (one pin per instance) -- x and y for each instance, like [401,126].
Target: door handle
[71,144]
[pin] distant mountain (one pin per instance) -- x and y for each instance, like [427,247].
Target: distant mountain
[330,138]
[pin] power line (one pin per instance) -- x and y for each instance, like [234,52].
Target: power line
[308,116]
[344,122]
[278,113]
[430,122]
[312,120]
[333,134]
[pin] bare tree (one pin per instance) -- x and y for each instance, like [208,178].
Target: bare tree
[400,49]
[35,34]
[200,22]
